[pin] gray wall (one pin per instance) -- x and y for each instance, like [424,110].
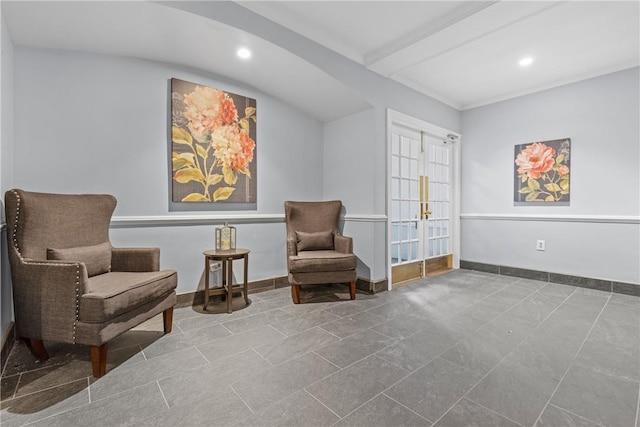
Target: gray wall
[365,145]
[6,167]
[598,235]
[349,175]
[93,123]
[102,127]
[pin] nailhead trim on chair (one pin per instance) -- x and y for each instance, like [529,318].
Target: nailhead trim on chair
[15,224]
[15,245]
[75,322]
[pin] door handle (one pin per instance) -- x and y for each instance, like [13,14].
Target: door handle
[424,211]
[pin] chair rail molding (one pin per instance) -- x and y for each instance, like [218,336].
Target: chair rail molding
[198,219]
[606,219]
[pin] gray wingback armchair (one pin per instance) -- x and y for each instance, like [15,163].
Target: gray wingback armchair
[316,252]
[69,284]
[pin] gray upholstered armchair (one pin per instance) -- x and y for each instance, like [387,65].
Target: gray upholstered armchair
[69,284]
[316,252]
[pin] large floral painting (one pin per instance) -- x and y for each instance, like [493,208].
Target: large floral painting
[213,145]
[542,173]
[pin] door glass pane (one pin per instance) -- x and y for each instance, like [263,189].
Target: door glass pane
[395,210]
[394,253]
[415,209]
[414,190]
[414,169]
[405,231]
[405,211]
[395,188]
[414,230]
[404,252]
[404,193]
[415,148]
[405,148]
[394,231]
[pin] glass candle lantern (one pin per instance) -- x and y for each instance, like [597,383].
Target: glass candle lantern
[225,237]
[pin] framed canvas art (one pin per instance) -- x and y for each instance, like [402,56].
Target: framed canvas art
[542,172]
[213,145]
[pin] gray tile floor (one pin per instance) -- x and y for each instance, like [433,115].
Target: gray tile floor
[460,349]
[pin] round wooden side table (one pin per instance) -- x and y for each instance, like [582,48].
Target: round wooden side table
[226,257]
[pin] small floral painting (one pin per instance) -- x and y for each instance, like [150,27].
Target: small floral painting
[213,145]
[542,173]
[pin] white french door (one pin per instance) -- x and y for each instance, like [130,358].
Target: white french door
[438,164]
[422,202]
[406,169]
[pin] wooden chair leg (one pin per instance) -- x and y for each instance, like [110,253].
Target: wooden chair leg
[167,319]
[99,360]
[295,293]
[37,347]
[352,290]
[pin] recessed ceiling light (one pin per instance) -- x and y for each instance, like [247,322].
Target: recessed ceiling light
[526,61]
[244,53]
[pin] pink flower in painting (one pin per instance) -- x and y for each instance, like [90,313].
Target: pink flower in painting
[535,160]
[563,170]
[244,156]
[233,147]
[207,108]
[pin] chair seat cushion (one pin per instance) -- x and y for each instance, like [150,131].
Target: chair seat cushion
[314,261]
[111,294]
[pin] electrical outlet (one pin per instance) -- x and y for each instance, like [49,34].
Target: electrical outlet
[540,245]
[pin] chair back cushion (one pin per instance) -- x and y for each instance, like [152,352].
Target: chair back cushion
[312,217]
[318,241]
[41,221]
[96,258]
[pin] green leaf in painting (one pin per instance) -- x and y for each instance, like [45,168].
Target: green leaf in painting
[525,190]
[178,163]
[223,193]
[214,179]
[189,174]
[249,111]
[531,197]
[230,176]
[195,197]
[559,159]
[533,184]
[180,136]
[202,152]
[244,123]
[245,171]
[550,198]
[552,186]
[564,183]
[182,160]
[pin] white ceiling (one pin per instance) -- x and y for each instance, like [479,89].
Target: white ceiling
[152,31]
[464,53]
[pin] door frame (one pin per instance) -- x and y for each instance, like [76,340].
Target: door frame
[401,119]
